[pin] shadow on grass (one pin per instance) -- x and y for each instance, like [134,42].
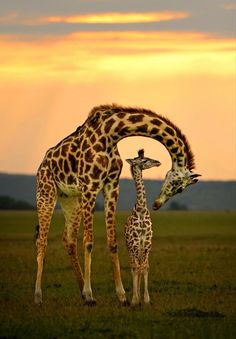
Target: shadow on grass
[194,313]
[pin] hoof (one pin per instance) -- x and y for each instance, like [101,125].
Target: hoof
[90,302]
[125,303]
[38,299]
[137,305]
[147,305]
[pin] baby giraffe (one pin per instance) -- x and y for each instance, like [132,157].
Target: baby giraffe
[138,228]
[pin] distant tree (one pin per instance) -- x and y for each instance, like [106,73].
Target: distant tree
[176,206]
[8,203]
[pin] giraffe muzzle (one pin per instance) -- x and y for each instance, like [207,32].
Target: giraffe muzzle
[157,205]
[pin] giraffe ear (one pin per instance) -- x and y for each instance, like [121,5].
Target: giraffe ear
[130,161]
[193,177]
[94,119]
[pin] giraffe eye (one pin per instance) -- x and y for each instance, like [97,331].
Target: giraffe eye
[145,161]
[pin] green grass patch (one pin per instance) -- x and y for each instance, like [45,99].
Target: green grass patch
[192,281]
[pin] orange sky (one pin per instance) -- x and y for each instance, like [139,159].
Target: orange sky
[50,82]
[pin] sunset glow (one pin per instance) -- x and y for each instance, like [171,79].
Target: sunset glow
[56,66]
[72,56]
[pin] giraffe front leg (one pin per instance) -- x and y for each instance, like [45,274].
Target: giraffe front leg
[40,259]
[117,275]
[110,197]
[88,210]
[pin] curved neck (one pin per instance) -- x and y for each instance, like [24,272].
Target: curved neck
[146,123]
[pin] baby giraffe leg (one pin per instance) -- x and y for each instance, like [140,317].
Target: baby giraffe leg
[139,283]
[135,298]
[146,294]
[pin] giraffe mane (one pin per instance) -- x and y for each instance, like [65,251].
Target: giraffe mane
[188,150]
[114,108]
[103,108]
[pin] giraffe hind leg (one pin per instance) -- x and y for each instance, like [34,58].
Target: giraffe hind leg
[46,201]
[71,207]
[45,215]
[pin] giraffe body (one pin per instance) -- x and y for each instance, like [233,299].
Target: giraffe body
[138,229]
[87,161]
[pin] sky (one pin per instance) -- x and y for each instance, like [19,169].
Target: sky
[60,58]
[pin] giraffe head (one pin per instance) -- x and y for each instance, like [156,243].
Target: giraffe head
[175,182]
[141,162]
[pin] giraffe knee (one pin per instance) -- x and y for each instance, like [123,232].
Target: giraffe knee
[89,247]
[64,241]
[113,248]
[71,249]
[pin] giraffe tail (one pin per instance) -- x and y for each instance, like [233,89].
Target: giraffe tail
[36,236]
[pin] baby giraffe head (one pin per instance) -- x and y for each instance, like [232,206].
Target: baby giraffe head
[141,162]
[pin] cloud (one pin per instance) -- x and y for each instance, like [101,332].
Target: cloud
[62,17]
[10,18]
[55,17]
[119,18]
[95,18]
[229,6]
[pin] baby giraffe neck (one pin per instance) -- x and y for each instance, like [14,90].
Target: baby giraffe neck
[141,201]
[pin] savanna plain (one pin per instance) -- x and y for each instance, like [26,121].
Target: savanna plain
[192,280]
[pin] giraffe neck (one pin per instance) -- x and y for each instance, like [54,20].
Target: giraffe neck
[125,122]
[141,201]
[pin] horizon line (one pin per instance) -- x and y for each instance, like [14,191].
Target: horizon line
[121,178]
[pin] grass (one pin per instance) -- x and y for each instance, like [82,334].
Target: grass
[192,281]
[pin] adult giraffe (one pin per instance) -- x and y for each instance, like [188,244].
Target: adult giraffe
[87,161]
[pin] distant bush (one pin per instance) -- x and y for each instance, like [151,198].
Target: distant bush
[176,206]
[8,203]
[99,206]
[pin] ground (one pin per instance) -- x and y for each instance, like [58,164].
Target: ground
[192,281]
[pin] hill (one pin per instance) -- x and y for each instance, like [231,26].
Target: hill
[206,195]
